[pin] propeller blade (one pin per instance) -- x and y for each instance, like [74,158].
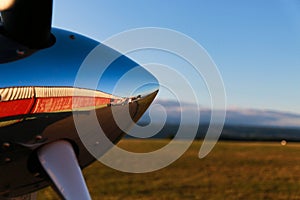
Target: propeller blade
[60,162]
[28,22]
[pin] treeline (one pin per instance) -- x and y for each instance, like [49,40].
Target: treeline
[231,132]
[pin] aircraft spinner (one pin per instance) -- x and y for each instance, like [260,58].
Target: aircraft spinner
[39,142]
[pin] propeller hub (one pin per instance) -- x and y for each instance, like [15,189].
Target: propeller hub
[6,4]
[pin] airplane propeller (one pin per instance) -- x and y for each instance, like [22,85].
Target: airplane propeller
[67,178]
[40,143]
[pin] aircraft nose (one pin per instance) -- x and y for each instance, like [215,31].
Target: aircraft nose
[144,103]
[132,88]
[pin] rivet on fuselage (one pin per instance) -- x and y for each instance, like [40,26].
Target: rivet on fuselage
[38,137]
[37,174]
[20,52]
[6,145]
[72,37]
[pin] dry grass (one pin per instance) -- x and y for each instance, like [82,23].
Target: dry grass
[231,171]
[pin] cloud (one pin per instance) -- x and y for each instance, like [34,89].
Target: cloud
[262,117]
[234,116]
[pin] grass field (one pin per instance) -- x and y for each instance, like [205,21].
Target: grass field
[233,170]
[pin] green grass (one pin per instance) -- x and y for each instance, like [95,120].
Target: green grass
[233,170]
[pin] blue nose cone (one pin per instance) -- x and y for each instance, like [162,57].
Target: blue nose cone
[42,90]
[44,81]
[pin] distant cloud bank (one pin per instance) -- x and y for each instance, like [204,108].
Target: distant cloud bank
[234,116]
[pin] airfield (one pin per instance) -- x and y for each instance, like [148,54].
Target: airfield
[233,170]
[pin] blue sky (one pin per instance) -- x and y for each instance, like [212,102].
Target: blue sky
[255,44]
